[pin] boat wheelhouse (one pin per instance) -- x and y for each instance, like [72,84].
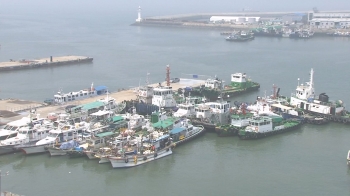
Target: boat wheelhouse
[163,97]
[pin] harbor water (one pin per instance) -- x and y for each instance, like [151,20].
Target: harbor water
[307,161]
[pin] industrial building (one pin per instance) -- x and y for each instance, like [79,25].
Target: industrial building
[234,19]
[329,20]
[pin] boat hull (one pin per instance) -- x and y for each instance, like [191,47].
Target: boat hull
[56,152]
[75,154]
[7,149]
[228,92]
[209,127]
[254,135]
[34,149]
[103,159]
[226,131]
[131,161]
[91,154]
[191,137]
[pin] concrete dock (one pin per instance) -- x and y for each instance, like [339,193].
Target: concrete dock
[14,109]
[44,62]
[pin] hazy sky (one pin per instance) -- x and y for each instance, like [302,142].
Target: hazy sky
[163,7]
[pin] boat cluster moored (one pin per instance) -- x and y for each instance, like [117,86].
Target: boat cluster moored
[278,114]
[107,131]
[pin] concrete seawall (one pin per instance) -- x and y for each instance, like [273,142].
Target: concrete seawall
[44,62]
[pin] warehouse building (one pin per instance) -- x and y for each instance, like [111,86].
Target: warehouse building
[329,20]
[234,19]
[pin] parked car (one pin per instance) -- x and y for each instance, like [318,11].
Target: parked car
[175,80]
[49,101]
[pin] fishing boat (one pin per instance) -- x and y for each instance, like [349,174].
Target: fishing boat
[61,97]
[239,120]
[263,126]
[11,128]
[64,133]
[304,99]
[26,135]
[186,132]
[348,158]
[240,37]
[61,149]
[122,144]
[145,151]
[93,144]
[186,109]
[214,89]
[135,121]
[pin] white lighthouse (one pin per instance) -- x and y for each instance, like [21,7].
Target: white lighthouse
[139,15]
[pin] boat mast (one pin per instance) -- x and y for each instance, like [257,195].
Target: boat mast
[168,75]
[311,83]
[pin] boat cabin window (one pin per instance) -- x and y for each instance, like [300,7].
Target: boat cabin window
[14,128]
[53,134]
[85,94]
[12,135]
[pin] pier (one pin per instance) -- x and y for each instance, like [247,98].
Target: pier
[14,109]
[43,62]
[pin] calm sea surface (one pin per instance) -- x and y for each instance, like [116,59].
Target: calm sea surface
[308,161]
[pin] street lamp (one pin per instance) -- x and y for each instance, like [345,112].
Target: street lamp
[6,174]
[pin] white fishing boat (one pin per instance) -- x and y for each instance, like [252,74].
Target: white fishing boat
[186,110]
[63,133]
[11,128]
[348,158]
[186,132]
[304,98]
[61,97]
[163,97]
[145,151]
[25,135]
[135,120]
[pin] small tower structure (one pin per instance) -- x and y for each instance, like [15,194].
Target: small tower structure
[168,75]
[139,19]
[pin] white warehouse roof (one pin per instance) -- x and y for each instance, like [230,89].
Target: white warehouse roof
[232,18]
[330,20]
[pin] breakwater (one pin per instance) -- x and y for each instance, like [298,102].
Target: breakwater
[208,25]
[43,62]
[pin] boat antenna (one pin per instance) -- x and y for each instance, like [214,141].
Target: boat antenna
[168,75]
[298,81]
[147,78]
